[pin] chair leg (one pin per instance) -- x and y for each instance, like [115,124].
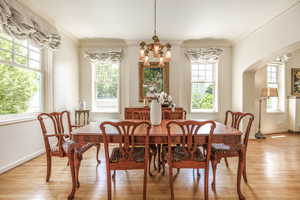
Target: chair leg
[163,164]
[244,171]
[198,172]
[114,174]
[171,181]
[150,159]
[77,167]
[159,157]
[98,146]
[214,168]
[145,182]
[206,183]
[154,163]
[226,162]
[49,166]
[108,177]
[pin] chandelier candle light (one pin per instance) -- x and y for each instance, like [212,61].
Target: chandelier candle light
[155,50]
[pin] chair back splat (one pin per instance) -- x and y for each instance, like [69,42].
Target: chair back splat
[189,142]
[236,119]
[53,124]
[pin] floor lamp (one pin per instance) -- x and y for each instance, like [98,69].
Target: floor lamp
[265,94]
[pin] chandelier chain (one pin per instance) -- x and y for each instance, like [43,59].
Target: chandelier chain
[155,26]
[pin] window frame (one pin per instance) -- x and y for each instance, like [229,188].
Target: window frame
[94,107]
[215,89]
[26,116]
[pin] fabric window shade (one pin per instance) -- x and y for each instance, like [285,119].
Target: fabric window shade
[203,54]
[104,55]
[19,22]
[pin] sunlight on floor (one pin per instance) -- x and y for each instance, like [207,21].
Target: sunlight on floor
[278,136]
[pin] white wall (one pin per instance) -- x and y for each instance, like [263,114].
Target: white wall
[280,36]
[66,75]
[271,122]
[270,40]
[179,75]
[23,141]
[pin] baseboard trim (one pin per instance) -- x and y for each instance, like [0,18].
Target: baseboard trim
[291,131]
[276,132]
[21,161]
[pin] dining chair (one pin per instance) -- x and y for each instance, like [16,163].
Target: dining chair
[145,116]
[141,115]
[169,115]
[82,118]
[56,129]
[174,115]
[220,151]
[188,153]
[129,154]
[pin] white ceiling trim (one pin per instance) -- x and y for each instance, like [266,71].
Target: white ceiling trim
[246,35]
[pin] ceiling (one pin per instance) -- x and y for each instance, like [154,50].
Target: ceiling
[177,19]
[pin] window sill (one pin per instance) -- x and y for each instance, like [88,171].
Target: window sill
[99,112]
[17,120]
[204,112]
[275,112]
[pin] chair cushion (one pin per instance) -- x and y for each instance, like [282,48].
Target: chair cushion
[180,154]
[223,148]
[138,154]
[79,150]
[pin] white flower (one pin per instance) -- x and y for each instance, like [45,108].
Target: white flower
[169,98]
[151,88]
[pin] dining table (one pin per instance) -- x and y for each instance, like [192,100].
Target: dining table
[158,135]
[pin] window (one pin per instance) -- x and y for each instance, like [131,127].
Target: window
[106,87]
[20,78]
[274,74]
[204,87]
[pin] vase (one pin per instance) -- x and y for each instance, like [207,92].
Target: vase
[155,113]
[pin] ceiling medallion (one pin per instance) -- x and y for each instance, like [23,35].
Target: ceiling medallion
[155,51]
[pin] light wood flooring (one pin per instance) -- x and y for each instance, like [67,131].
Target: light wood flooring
[273,174]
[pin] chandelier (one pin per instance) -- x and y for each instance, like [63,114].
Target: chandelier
[155,51]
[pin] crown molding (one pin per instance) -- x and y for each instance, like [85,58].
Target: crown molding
[136,42]
[246,35]
[101,42]
[206,43]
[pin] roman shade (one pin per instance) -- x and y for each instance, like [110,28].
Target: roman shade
[19,22]
[200,54]
[103,55]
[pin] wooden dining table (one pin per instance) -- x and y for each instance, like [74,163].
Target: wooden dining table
[158,135]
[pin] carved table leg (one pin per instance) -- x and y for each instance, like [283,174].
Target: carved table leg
[240,172]
[71,154]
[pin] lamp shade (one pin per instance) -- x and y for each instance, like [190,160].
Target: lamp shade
[269,92]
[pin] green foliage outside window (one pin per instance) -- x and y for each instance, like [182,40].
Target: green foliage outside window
[203,101]
[107,81]
[17,85]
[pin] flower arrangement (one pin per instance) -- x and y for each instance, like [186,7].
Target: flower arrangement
[165,100]
[162,98]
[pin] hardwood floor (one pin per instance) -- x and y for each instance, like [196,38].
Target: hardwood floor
[273,168]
